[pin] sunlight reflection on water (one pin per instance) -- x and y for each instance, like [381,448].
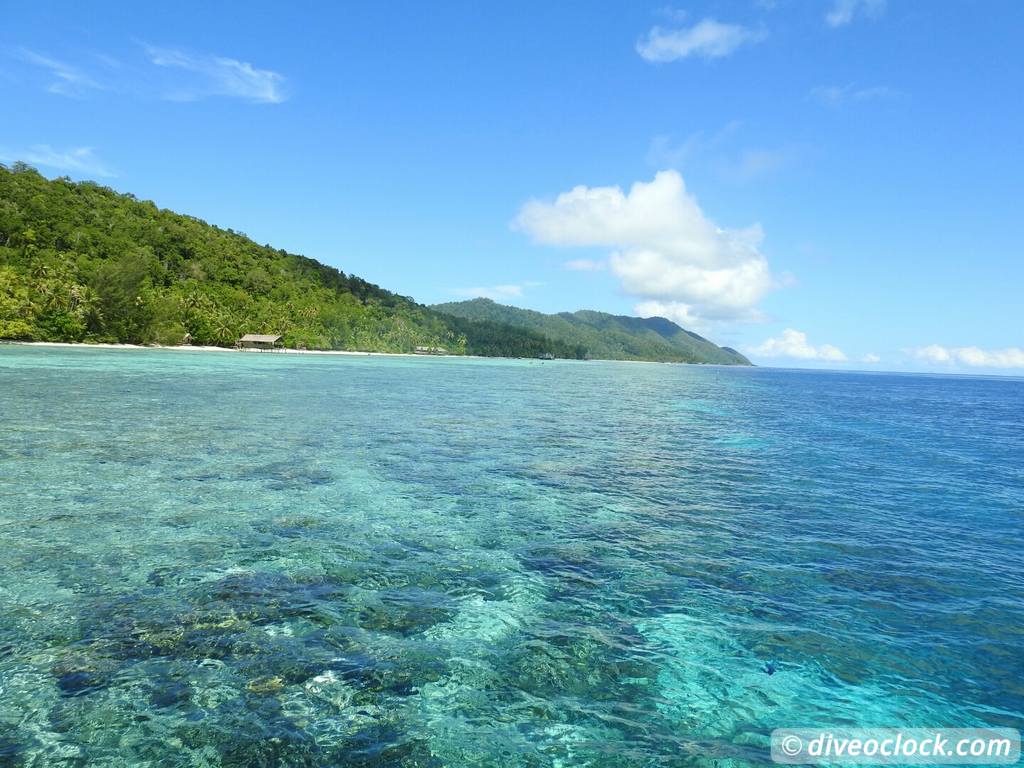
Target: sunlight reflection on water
[217,559]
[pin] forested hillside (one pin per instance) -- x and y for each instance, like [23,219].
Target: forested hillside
[80,262]
[605,336]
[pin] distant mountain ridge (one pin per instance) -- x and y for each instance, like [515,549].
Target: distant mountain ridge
[602,335]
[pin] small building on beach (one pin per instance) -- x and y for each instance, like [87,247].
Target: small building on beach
[430,351]
[258,341]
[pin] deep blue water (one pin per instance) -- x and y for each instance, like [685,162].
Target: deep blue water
[217,559]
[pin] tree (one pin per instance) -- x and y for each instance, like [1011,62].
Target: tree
[121,288]
[16,309]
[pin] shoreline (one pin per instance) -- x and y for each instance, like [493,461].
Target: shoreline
[345,352]
[208,348]
[340,352]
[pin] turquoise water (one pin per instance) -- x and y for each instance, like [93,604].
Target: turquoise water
[215,559]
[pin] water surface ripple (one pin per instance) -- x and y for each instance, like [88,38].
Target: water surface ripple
[253,560]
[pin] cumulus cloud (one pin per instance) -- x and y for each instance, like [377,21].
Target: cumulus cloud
[842,12]
[679,313]
[664,248]
[585,265]
[219,76]
[79,160]
[975,357]
[67,79]
[794,344]
[871,357]
[708,38]
[933,354]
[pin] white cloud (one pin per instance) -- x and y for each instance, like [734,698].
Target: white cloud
[219,76]
[679,313]
[68,80]
[836,96]
[708,38]
[208,76]
[933,354]
[495,292]
[76,159]
[585,265]
[871,357]
[665,248]
[975,357]
[793,343]
[842,12]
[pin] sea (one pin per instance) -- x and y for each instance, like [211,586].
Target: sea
[265,559]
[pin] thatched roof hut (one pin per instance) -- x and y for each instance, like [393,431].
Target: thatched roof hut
[258,341]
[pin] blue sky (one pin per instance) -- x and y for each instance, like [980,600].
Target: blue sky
[833,184]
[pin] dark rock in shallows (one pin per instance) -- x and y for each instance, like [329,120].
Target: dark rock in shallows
[170,693]
[79,683]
